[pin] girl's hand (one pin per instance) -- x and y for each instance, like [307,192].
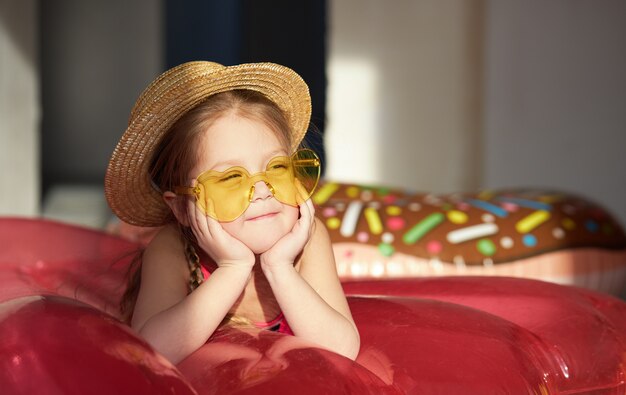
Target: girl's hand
[285,251]
[215,241]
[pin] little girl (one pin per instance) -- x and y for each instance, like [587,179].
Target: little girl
[211,156]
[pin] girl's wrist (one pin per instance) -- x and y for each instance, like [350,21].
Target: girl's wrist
[275,269]
[235,265]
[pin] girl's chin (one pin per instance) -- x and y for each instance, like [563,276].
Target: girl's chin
[260,246]
[258,242]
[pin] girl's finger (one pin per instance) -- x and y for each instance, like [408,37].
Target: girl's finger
[308,208]
[306,220]
[311,206]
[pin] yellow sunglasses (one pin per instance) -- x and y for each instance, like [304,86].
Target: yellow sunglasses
[225,195]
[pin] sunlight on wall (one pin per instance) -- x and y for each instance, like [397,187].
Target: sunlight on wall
[351,137]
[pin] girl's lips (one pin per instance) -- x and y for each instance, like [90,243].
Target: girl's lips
[262,216]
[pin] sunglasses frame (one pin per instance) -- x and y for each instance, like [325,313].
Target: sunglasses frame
[311,160]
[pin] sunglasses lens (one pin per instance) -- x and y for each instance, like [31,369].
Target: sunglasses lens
[226,195]
[306,167]
[295,178]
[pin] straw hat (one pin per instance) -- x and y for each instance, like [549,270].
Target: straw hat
[128,189]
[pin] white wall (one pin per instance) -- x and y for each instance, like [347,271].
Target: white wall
[555,113]
[404,86]
[19,108]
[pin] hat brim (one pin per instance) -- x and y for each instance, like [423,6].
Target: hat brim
[128,187]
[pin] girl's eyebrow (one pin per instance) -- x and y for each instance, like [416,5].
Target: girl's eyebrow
[225,164]
[275,153]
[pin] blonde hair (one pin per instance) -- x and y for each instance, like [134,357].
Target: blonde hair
[178,152]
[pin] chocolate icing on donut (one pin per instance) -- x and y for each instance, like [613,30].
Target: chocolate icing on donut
[483,228]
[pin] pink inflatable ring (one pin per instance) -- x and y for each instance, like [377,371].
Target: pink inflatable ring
[60,333]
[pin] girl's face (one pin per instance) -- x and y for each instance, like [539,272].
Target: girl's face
[233,140]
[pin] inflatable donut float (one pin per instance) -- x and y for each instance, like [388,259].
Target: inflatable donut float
[60,333]
[388,233]
[395,233]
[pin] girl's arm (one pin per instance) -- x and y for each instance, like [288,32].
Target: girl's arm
[312,299]
[173,322]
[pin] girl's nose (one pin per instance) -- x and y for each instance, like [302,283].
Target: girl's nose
[261,190]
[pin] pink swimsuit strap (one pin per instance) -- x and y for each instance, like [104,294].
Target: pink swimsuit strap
[269,324]
[280,320]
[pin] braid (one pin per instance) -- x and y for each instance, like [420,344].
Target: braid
[193,260]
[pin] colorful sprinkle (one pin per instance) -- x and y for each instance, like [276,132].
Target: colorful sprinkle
[394,210]
[592,226]
[568,224]
[352,192]
[387,238]
[329,212]
[374,204]
[532,221]
[333,223]
[558,233]
[506,242]
[488,218]
[367,195]
[492,208]
[471,232]
[415,206]
[382,191]
[486,247]
[389,199]
[434,247]
[395,223]
[529,240]
[432,200]
[325,192]
[362,237]
[457,217]
[386,249]
[462,206]
[510,207]
[350,218]
[373,220]
[421,228]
